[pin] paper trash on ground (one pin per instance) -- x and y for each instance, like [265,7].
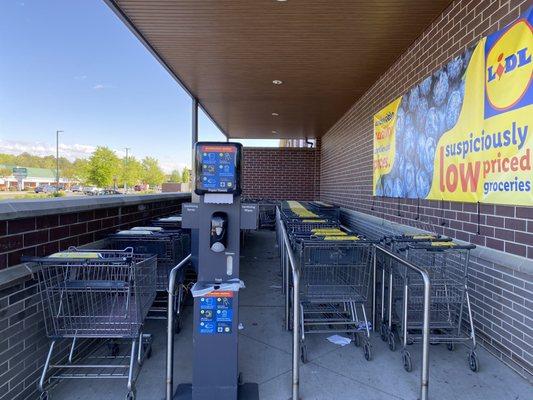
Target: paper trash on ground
[340,340]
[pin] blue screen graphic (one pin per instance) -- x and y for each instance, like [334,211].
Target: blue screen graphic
[218,168]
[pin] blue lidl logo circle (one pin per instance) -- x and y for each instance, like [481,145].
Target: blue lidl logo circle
[509,66]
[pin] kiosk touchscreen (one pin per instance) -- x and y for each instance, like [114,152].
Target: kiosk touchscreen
[218,168]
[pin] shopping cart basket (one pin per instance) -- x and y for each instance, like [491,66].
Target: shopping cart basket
[334,282]
[447,266]
[170,247]
[388,283]
[97,295]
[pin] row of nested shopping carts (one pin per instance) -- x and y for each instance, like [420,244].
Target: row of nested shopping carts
[96,300]
[336,268]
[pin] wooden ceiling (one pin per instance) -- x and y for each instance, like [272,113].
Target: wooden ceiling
[327,53]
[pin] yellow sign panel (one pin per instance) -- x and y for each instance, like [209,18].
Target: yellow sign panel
[463,133]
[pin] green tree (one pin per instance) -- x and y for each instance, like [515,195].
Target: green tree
[152,173]
[175,176]
[131,171]
[103,167]
[5,172]
[186,175]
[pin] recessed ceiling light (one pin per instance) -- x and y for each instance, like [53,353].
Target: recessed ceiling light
[275,132]
[275,114]
[277,82]
[282,1]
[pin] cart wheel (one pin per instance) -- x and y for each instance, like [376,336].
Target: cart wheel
[450,346]
[303,353]
[367,348]
[406,358]
[240,380]
[473,361]
[356,339]
[44,396]
[130,395]
[383,330]
[392,342]
[114,349]
[177,324]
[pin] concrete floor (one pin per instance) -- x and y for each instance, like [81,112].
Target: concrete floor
[333,372]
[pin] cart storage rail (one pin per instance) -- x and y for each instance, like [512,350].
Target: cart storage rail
[97,295]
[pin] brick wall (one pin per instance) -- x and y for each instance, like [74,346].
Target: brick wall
[281,173]
[42,235]
[346,179]
[23,341]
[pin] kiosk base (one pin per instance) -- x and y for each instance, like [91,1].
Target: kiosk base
[247,391]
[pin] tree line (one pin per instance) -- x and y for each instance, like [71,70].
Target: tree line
[104,168]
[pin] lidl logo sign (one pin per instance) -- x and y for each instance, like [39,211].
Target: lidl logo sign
[509,66]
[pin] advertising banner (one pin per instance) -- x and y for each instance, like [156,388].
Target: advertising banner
[464,133]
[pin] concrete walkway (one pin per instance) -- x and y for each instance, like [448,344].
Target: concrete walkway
[332,373]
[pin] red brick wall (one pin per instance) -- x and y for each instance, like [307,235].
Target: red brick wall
[44,235]
[346,169]
[281,173]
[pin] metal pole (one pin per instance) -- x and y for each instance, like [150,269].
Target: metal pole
[194,138]
[169,382]
[295,315]
[425,342]
[374,270]
[424,378]
[126,174]
[57,158]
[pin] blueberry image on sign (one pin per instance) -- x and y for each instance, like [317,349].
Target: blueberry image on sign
[398,165]
[455,68]
[453,109]
[425,86]
[400,119]
[420,149]
[414,97]
[397,188]
[440,89]
[421,112]
[409,137]
[427,157]
[388,183]
[409,179]
[433,125]
[422,183]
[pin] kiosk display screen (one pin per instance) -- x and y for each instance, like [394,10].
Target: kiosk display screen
[217,168]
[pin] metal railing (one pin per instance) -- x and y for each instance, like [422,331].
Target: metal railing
[288,260]
[169,382]
[424,378]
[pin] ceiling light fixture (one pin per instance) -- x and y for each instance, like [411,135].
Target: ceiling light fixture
[275,114]
[275,132]
[277,82]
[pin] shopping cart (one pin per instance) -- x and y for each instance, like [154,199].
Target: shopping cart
[335,279]
[447,266]
[170,222]
[170,247]
[97,295]
[388,283]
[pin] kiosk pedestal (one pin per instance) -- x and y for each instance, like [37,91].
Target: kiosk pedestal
[218,219]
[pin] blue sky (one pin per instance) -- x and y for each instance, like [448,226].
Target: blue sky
[73,66]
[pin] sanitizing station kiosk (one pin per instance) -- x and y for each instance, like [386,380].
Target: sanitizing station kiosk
[218,218]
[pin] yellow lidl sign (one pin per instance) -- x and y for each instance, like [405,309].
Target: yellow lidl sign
[463,133]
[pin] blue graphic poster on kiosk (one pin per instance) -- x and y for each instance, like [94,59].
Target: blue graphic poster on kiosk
[218,168]
[216,313]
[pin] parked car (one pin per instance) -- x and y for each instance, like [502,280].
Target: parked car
[91,190]
[46,189]
[108,192]
[76,188]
